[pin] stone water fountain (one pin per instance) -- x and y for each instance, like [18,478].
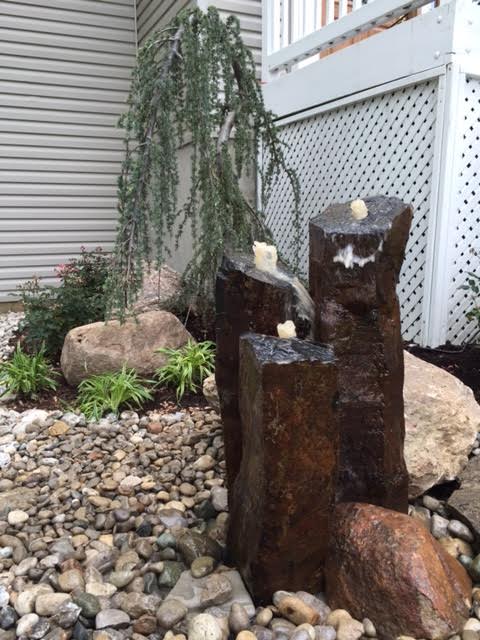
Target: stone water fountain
[317,418]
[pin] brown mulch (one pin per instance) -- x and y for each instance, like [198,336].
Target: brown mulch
[64,399]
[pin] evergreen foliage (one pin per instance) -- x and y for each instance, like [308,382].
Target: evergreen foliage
[194,81]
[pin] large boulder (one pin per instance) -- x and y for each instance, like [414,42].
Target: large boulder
[465,502]
[442,419]
[160,288]
[105,347]
[385,566]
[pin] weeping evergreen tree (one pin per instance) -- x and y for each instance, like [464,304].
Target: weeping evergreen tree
[194,82]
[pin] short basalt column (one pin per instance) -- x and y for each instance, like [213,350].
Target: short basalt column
[248,299]
[354,269]
[284,492]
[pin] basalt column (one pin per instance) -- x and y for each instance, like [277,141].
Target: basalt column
[284,491]
[354,269]
[248,299]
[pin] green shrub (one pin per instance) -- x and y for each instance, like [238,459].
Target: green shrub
[50,312]
[187,367]
[26,374]
[111,392]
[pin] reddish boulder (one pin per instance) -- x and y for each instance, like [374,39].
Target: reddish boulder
[385,566]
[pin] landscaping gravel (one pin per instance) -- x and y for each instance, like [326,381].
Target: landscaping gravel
[116,530]
[9,323]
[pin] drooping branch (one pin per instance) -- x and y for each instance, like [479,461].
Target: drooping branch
[201,81]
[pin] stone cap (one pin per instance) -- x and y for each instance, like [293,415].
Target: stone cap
[382,211]
[244,263]
[273,350]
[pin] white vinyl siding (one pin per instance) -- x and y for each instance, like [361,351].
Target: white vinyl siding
[64,77]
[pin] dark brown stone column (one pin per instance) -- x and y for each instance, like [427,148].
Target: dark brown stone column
[249,300]
[284,492]
[354,269]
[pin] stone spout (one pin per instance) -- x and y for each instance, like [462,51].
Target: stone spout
[354,269]
[248,299]
[283,497]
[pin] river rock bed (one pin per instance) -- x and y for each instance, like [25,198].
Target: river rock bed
[116,529]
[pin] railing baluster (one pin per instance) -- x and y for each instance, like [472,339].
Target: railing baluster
[342,8]
[330,13]
[309,26]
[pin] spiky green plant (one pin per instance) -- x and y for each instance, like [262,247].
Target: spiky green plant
[194,81]
[27,374]
[186,368]
[111,392]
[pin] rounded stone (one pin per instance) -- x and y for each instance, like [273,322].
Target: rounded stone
[8,617]
[48,604]
[205,627]
[308,629]
[112,618]
[71,580]
[262,633]
[369,628]
[26,624]
[171,612]
[17,517]
[264,617]
[472,624]
[202,566]
[460,530]
[217,589]
[295,610]
[88,603]
[350,630]
[238,619]
[325,632]
[166,539]
[204,463]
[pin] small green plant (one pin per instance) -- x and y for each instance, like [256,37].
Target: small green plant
[112,391]
[80,298]
[473,286]
[187,367]
[26,374]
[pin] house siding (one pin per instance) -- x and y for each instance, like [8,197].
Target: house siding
[64,78]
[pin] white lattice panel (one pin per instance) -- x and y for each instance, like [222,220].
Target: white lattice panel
[466,219]
[381,145]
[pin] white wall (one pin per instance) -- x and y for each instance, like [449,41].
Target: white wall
[64,77]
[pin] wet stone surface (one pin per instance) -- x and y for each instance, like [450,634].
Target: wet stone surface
[354,269]
[249,300]
[285,489]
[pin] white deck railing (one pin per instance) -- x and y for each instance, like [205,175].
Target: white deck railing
[295,30]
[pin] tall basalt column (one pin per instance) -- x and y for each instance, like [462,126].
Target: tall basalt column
[354,269]
[248,299]
[284,493]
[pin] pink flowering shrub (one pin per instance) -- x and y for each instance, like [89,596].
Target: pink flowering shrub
[80,298]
